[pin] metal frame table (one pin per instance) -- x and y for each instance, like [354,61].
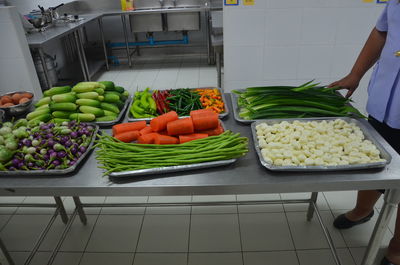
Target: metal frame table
[246,176]
[38,40]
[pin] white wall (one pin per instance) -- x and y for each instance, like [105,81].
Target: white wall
[294,41]
[17,72]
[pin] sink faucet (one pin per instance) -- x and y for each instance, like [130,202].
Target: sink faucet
[174,1]
[161,3]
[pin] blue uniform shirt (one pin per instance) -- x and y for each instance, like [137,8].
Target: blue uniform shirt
[384,86]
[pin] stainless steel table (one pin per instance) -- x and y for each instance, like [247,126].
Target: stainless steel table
[37,40]
[246,176]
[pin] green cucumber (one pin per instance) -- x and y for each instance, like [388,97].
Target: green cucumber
[37,113]
[92,110]
[46,106]
[41,118]
[61,114]
[110,113]
[66,97]
[122,97]
[99,91]
[85,117]
[88,95]
[57,90]
[83,87]
[59,120]
[119,89]
[43,101]
[106,118]
[88,102]
[108,84]
[66,106]
[111,97]
[120,104]
[109,107]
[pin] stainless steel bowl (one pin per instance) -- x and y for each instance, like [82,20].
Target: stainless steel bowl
[17,109]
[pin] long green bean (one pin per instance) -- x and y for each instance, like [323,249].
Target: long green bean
[116,156]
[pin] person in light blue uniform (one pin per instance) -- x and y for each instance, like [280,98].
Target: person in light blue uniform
[383,107]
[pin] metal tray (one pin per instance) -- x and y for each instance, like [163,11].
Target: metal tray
[121,114]
[162,170]
[367,133]
[52,172]
[221,115]
[236,109]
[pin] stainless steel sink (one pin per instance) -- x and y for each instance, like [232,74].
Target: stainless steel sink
[176,21]
[147,22]
[179,21]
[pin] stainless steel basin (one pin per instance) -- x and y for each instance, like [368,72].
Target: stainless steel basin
[147,22]
[179,21]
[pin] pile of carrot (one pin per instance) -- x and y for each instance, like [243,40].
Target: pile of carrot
[211,99]
[169,129]
[116,156]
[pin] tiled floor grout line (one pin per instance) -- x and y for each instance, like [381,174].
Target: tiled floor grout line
[290,232]
[240,232]
[190,227]
[90,236]
[140,231]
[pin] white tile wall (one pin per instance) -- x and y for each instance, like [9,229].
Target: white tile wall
[303,40]
[16,64]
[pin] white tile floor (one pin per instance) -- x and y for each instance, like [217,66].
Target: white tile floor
[199,235]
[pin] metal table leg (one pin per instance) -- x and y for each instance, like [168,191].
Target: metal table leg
[219,70]
[208,34]
[63,212]
[83,55]
[100,21]
[313,199]
[80,210]
[391,200]
[46,73]
[5,254]
[80,56]
[128,54]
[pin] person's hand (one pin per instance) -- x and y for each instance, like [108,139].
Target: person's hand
[350,82]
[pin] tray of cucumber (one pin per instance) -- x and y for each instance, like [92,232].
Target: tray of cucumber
[102,103]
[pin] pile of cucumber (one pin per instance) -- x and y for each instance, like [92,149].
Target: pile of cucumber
[86,102]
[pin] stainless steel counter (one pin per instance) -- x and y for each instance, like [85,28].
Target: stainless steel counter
[245,176]
[58,30]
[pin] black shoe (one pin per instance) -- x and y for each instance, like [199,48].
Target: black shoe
[385,261]
[341,222]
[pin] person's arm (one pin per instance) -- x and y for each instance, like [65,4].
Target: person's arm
[367,58]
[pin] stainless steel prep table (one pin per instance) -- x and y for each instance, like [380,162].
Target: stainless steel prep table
[37,41]
[246,176]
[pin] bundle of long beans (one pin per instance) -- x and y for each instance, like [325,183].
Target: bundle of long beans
[307,100]
[116,156]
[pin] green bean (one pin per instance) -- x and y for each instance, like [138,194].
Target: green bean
[116,156]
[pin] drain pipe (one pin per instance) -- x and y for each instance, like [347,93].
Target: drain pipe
[151,42]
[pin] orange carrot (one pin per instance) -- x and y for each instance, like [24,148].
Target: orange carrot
[163,132]
[129,126]
[127,137]
[160,123]
[164,139]
[204,119]
[146,130]
[190,137]
[182,126]
[213,132]
[147,138]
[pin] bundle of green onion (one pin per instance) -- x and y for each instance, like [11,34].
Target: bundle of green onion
[279,102]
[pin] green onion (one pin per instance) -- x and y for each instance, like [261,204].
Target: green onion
[306,100]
